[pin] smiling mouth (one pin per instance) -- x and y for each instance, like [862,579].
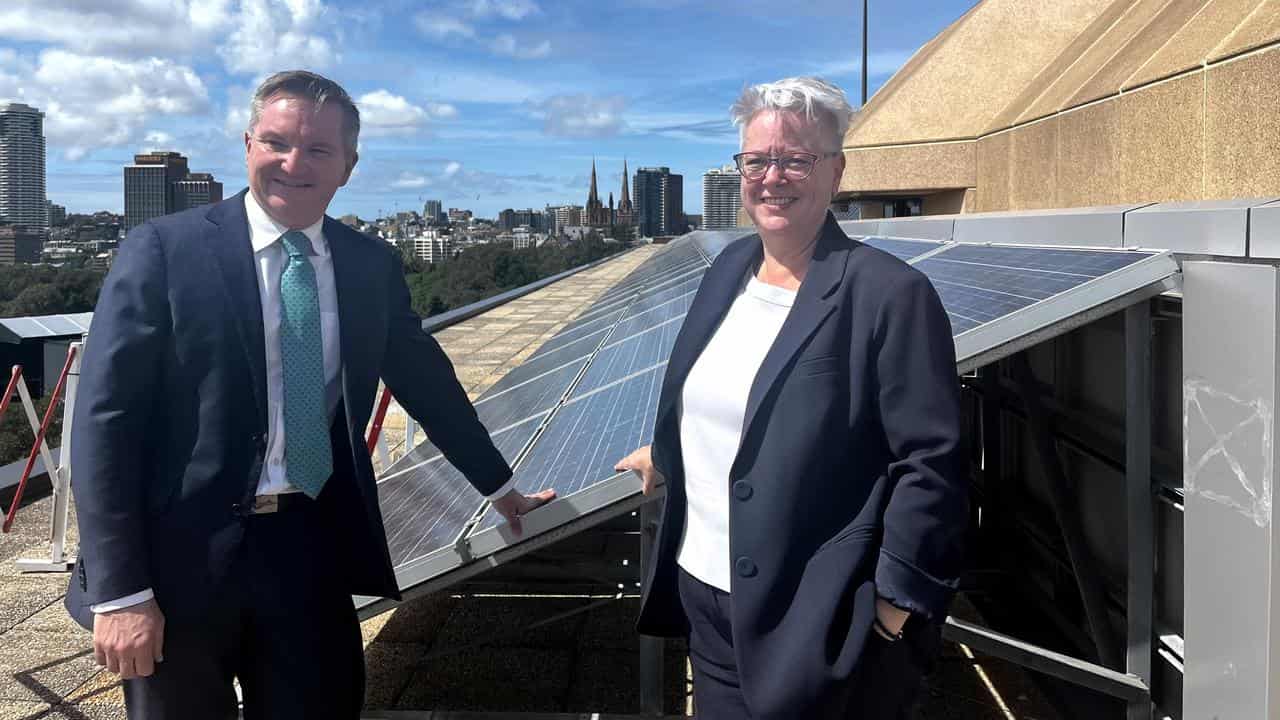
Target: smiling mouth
[778,201]
[293,185]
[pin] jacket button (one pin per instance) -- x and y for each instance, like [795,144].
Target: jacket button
[742,490]
[745,566]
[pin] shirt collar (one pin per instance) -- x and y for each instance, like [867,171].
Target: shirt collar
[264,230]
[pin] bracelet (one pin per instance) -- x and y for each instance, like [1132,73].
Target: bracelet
[885,631]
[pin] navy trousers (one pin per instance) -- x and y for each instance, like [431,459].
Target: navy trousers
[884,689]
[281,624]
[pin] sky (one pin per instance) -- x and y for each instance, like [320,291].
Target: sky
[481,104]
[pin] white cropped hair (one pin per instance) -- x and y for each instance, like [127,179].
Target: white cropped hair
[815,97]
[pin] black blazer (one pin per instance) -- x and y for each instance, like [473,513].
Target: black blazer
[170,422]
[848,479]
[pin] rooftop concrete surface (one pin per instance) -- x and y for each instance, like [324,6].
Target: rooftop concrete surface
[450,652]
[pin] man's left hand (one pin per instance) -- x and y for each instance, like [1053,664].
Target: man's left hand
[515,504]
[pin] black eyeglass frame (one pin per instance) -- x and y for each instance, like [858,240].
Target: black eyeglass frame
[813,158]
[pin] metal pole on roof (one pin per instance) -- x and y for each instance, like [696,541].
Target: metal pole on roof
[864,52]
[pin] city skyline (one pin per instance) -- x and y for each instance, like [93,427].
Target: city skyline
[493,103]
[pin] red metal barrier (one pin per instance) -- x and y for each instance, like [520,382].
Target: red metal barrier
[44,427]
[14,377]
[383,403]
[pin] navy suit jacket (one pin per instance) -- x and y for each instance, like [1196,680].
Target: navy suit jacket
[848,480]
[170,421]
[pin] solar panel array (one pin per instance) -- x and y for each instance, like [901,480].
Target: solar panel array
[588,396]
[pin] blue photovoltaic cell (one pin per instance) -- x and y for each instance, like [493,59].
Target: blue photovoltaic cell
[902,249]
[578,329]
[980,284]
[425,507]
[638,352]
[656,314]
[587,436]
[542,362]
[500,409]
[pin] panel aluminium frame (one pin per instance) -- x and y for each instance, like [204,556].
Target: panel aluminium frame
[1066,311]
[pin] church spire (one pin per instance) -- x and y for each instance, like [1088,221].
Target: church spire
[594,197]
[624,202]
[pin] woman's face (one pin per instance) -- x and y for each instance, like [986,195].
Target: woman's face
[783,208]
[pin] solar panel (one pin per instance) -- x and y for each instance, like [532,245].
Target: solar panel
[537,395]
[427,505]
[997,294]
[587,436]
[999,298]
[902,249]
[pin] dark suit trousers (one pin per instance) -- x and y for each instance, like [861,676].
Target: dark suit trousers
[281,624]
[884,687]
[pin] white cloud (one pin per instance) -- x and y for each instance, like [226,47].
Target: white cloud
[442,27]
[271,35]
[158,140]
[411,180]
[878,63]
[508,9]
[582,115]
[382,113]
[250,36]
[92,102]
[125,28]
[443,111]
[452,168]
[505,44]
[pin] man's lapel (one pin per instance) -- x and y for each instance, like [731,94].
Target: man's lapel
[233,256]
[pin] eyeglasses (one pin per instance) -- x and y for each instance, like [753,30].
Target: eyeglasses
[793,166]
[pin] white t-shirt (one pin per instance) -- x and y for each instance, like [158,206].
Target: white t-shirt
[713,404]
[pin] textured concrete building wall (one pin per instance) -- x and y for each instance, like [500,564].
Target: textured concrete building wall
[992,158]
[1033,165]
[1089,167]
[963,84]
[1145,101]
[1242,126]
[934,166]
[1162,141]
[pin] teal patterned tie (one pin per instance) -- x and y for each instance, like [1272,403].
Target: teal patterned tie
[308,454]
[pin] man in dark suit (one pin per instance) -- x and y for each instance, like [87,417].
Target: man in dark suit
[226,502]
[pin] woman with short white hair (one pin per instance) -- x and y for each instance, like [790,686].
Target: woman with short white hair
[808,434]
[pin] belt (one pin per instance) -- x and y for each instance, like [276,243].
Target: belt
[267,504]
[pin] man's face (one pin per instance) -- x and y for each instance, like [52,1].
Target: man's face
[297,159]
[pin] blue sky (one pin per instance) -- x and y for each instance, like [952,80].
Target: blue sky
[482,104]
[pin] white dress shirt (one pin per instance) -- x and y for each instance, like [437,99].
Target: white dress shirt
[713,406]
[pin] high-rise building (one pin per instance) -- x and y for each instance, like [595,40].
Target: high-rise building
[721,197]
[21,244]
[149,186]
[432,246]
[22,181]
[196,189]
[433,212]
[659,202]
[57,214]
[458,215]
[565,216]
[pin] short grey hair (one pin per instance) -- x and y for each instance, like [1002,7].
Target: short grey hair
[816,98]
[309,86]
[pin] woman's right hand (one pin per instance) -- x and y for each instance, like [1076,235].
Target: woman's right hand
[641,463]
